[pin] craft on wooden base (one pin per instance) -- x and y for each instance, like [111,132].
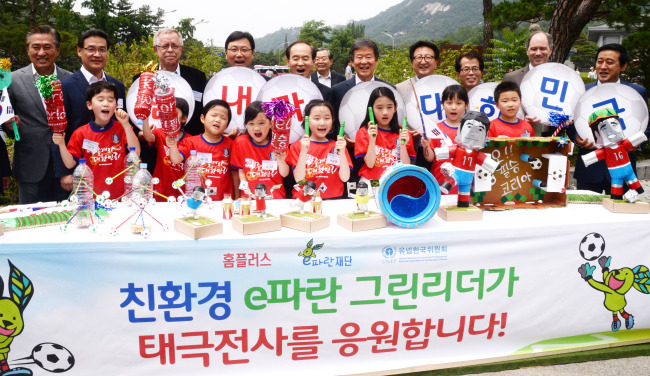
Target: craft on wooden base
[306,222]
[460,214]
[197,228]
[253,224]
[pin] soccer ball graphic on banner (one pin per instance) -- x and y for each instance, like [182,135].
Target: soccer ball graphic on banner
[296,90]
[239,86]
[52,357]
[481,98]
[182,90]
[592,246]
[630,106]
[354,106]
[550,87]
[429,98]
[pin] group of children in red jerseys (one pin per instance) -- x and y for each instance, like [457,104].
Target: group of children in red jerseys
[320,157]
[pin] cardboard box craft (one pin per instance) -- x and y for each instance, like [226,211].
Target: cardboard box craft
[639,207]
[455,214]
[310,223]
[198,228]
[359,222]
[252,224]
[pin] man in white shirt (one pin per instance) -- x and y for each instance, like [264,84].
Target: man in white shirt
[323,73]
[424,57]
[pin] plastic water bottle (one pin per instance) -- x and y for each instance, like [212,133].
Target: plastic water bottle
[192,173]
[142,184]
[83,181]
[131,163]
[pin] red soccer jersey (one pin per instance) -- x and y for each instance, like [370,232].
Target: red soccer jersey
[464,159]
[248,156]
[166,171]
[317,169]
[617,156]
[218,169]
[108,160]
[499,128]
[386,151]
[439,142]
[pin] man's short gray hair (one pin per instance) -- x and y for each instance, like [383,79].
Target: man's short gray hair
[549,38]
[166,30]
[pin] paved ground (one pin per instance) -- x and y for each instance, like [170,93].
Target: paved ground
[629,366]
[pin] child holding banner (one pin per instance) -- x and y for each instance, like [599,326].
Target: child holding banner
[316,157]
[253,156]
[454,102]
[382,144]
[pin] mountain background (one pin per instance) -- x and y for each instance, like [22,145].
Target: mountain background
[408,21]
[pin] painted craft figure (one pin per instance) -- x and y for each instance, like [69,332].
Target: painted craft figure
[362,197]
[303,193]
[615,285]
[466,155]
[614,148]
[260,199]
[195,200]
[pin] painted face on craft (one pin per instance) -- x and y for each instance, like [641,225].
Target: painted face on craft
[260,191]
[320,122]
[610,131]
[197,195]
[472,134]
[470,74]
[424,62]
[300,61]
[259,128]
[239,53]
[169,50]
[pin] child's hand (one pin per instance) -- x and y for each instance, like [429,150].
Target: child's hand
[304,143]
[58,138]
[171,142]
[425,143]
[122,116]
[404,136]
[281,156]
[340,143]
[372,129]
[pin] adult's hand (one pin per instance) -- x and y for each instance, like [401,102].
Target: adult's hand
[66,182]
[584,143]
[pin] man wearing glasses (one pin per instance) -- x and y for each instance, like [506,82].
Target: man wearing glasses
[33,163]
[92,49]
[469,69]
[240,50]
[424,58]
[323,74]
[168,46]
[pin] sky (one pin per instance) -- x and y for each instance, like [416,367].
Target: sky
[259,17]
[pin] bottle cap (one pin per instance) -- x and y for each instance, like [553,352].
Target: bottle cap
[82,160]
[192,152]
[143,165]
[132,148]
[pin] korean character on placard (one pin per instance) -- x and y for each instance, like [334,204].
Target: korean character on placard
[461,285]
[304,342]
[263,340]
[487,107]
[265,260]
[228,260]
[491,325]
[282,287]
[412,331]
[242,260]
[254,259]
[321,287]
[227,341]
[242,100]
[500,275]
[132,297]
[552,86]
[201,342]
[432,105]
[457,330]
[165,347]
[219,310]
[170,293]
[439,281]
[383,334]
[376,291]
[614,105]
[349,331]
[348,260]
[399,285]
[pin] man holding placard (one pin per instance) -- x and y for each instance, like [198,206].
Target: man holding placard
[424,57]
[469,69]
[539,46]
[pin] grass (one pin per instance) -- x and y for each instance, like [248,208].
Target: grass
[309,215]
[362,215]
[255,218]
[201,221]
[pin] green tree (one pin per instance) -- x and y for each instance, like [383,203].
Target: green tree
[585,55]
[465,34]
[315,33]
[394,65]
[100,14]
[639,69]
[186,28]
[446,66]
[340,42]
[506,55]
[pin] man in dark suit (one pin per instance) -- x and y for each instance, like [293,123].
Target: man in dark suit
[364,56]
[92,49]
[324,60]
[300,59]
[539,46]
[33,164]
[5,167]
[611,60]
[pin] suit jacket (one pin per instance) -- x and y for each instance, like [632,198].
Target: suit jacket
[32,152]
[516,76]
[598,171]
[324,91]
[5,167]
[338,92]
[74,99]
[335,79]
[404,87]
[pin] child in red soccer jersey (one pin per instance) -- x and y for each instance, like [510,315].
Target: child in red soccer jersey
[380,145]
[507,98]
[253,156]
[101,142]
[213,148]
[454,102]
[316,157]
[168,169]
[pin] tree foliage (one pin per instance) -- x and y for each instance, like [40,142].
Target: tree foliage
[506,55]
[394,65]
[340,42]
[585,55]
[315,33]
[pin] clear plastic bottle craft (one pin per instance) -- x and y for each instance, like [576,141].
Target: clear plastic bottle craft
[131,164]
[83,182]
[142,185]
[192,172]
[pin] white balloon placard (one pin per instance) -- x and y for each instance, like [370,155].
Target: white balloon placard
[630,106]
[296,90]
[428,95]
[181,90]
[239,86]
[550,87]
[354,106]
[481,98]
